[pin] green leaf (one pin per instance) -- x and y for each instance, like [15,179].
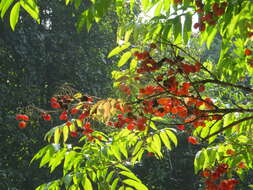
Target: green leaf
[5,6]
[46,158]
[109,176]
[87,184]
[65,133]
[251,186]
[31,7]
[14,15]
[114,184]
[124,58]
[56,159]
[177,27]
[158,8]
[118,49]
[116,152]
[67,2]
[41,152]
[57,135]
[130,175]
[67,179]
[152,125]
[122,147]
[165,139]
[187,27]
[214,129]
[172,136]
[122,167]
[204,132]
[211,36]
[42,187]
[135,184]
[133,65]
[199,160]
[137,147]
[156,143]
[145,4]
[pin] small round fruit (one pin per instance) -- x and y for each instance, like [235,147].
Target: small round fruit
[22,124]
[247,52]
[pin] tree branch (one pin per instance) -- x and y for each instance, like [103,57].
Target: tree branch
[224,84]
[229,126]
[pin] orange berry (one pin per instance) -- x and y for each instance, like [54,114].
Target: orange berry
[192,140]
[22,124]
[230,152]
[247,52]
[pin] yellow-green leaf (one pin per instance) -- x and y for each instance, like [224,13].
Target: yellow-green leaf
[87,184]
[124,58]
[135,184]
[118,49]
[65,133]
[14,15]
[57,135]
[165,140]
[172,137]
[130,175]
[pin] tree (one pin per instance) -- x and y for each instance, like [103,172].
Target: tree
[165,85]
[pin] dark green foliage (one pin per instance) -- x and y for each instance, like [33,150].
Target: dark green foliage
[34,61]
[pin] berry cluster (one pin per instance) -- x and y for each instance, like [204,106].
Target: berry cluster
[210,17]
[214,179]
[24,118]
[181,99]
[127,119]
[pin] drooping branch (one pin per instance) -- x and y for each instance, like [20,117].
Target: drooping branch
[228,126]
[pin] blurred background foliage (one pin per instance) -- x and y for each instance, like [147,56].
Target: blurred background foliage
[34,61]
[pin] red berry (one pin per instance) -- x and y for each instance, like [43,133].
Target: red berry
[73,134]
[68,123]
[192,140]
[150,154]
[206,173]
[230,152]
[22,117]
[86,125]
[130,126]
[247,51]
[46,117]
[63,116]
[74,111]
[181,127]
[201,88]
[241,164]
[196,25]
[202,27]
[53,100]
[55,105]
[90,99]
[22,124]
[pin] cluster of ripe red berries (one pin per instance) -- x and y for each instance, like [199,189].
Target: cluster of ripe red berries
[209,17]
[185,104]
[127,119]
[63,104]
[22,120]
[214,181]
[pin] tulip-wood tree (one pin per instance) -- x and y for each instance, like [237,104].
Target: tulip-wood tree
[165,89]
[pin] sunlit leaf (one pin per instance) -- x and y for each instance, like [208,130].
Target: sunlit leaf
[14,15]
[124,58]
